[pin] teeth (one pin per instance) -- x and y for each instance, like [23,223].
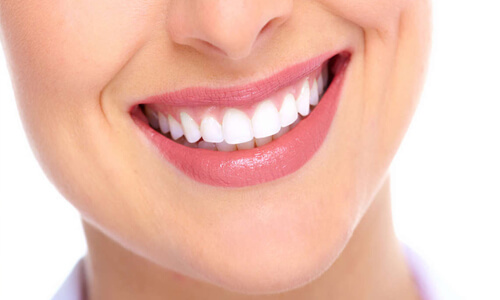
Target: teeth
[266,120]
[288,111]
[302,101]
[175,128]
[163,124]
[236,127]
[211,130]
[205,145]
[314,93]
[238,131]
[152,117]
[190,128]
[223,146]
[294,124]
[281,132]
[248,145]
[263,141]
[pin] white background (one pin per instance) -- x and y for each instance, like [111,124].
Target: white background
[446,176]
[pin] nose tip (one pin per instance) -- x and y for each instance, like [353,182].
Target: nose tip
[229,28]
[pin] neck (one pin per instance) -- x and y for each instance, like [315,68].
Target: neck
[372,266]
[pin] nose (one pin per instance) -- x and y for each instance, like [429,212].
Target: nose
[229,28]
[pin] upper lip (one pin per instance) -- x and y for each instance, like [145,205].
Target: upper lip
[239,95]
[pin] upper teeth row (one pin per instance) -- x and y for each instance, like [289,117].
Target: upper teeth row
[237,127]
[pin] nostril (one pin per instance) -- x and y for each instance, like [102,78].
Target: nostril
[266,27]
[211,47]
[269,27]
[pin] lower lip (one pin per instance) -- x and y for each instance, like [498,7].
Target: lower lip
[249,167]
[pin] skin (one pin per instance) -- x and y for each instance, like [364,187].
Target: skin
[324,231]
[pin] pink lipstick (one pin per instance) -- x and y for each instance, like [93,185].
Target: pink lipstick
[251,134]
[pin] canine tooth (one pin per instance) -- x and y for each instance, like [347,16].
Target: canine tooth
[211,130]
[314,93]
[206,145]
[152,117]
[281,132]
[248,145]
[263,141]
[236,127]
[190,128]
[302,101]
[175,128]
[266,120]
[288,111]
[163,124]
[223,146]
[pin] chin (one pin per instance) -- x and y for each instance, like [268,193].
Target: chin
[272,269]
[260,253]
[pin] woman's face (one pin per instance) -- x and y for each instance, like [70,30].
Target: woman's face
[260,220]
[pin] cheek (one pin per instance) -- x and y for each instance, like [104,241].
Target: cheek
[62,54]
[69,50]
[380,15]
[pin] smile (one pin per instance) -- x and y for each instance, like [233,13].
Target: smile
[246,135]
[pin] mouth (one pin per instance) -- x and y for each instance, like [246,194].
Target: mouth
[246,135]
